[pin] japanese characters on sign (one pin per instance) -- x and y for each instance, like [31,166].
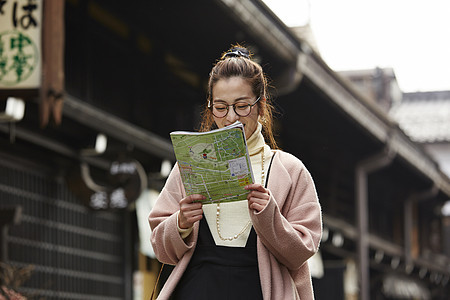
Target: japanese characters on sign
[126,180]
[20,43]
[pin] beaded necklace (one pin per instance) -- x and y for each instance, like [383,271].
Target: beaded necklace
[249,222]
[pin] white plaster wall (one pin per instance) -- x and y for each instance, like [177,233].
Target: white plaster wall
[441,153]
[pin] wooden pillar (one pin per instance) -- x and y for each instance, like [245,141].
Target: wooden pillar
[52,87]
[362,171]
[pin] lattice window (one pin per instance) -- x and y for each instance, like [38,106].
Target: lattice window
[76,253]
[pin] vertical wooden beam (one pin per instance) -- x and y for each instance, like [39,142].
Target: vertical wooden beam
[412,235]
[446,235]
[414,239]
[52,87]
[362,171]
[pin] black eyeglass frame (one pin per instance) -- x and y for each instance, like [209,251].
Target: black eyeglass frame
[211,106]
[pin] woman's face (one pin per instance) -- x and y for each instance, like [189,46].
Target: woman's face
[235,90]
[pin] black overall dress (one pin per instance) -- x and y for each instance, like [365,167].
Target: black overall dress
[219,272]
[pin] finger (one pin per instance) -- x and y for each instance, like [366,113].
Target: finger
[255,187]
[188,202]
[196,217]
[190,206]
[187,213]
[194,198]
[188,219]
[258,201]
[257,194]
[256,206]
[192,213]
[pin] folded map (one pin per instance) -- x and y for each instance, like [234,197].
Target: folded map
[215,164]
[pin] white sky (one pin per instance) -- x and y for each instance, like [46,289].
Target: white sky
[410,36]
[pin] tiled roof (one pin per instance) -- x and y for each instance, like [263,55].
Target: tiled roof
[424,116]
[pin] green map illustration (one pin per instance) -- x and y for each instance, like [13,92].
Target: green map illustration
[215,164]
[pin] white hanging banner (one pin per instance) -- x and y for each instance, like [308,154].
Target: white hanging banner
[20,44]
[144,205]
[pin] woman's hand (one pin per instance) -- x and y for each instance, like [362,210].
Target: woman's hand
[258,197]
[190,211]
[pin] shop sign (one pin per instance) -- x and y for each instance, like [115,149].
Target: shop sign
[116,189]
[20,43]
[126,182]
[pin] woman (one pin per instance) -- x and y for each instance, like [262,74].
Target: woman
[252,249]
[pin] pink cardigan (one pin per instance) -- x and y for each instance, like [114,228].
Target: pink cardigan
[288,230]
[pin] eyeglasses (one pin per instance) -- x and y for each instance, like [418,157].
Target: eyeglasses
[242,109]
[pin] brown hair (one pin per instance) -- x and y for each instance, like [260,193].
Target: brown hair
[237,62]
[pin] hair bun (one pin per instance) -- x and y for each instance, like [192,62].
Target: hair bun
[237,52]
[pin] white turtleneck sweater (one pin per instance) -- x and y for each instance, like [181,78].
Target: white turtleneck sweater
[234,216]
